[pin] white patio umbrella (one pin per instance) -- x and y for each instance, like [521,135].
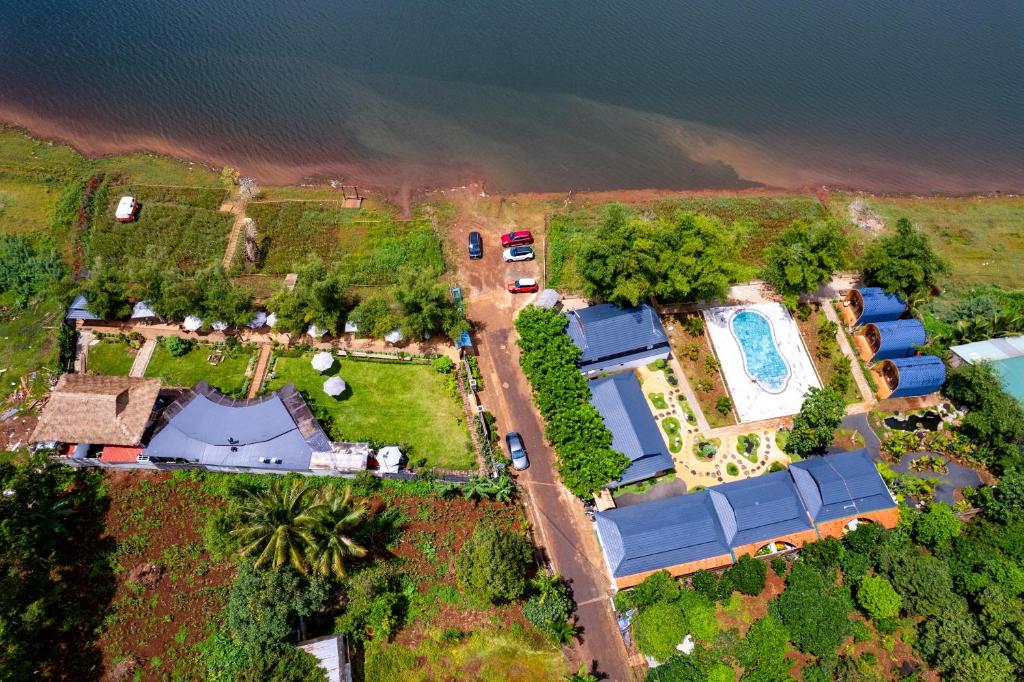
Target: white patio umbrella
[394,336]
[192,323]
[315,331]
[258,320]
[334,386]
[271,319]
[389,458]
[322,361]
[219,326]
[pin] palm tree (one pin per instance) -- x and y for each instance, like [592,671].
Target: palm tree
[275,525]
[581,675]
[504,488]
[332,544]
[478,488]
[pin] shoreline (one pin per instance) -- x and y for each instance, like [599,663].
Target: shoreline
[403,191]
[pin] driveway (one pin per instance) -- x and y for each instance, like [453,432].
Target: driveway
[564,534]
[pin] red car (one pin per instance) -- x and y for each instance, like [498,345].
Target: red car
[517,237]
[524,285]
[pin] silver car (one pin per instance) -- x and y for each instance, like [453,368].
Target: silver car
[516,450]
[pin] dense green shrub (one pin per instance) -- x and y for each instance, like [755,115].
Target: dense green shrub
[936,527]
[820,415]
[550,605]
[877,597]
[763,651]
[710,585]
[178,346]
[378,601]
[24,271]
[443,364]
[659,628]
[813,610]
[582,442]
[492,564]
[657,587]
[746,576]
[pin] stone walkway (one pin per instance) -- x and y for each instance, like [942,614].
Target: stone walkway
[258,374]
[142,359]
[855,368]
[236,206]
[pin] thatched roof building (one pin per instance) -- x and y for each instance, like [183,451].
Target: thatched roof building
[98,410]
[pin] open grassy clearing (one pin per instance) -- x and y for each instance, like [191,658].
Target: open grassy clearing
[26,206]
[983,237]
[372,246]
[28,346]
[228,376]
[111,357]
[184,234]
[389,403]
[759,218]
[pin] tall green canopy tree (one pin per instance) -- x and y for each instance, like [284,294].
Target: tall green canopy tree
[492,564]
[820,415]
[814,611]
[804,256]
[903,263]
[427,308]
[630,259]
[105,290]
[994,420]
[220,299]
[877,597]
[320,297]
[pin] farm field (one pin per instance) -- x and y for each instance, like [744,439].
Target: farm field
[390,403]
[373,247]
[228,376]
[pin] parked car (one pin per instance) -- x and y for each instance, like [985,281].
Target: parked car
[476,245]
[516,237]
[518,253]
[516,450]
[523,285]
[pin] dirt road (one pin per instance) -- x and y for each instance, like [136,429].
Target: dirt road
[563,532]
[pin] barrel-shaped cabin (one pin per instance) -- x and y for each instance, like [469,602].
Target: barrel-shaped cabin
[871,304]
[891,340]
[910,377]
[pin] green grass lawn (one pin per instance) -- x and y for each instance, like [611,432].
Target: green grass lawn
[983,237]
[28,345]
[388,403]
[187,370]
[760,218]
[26,206]
[372,246]
[113,358]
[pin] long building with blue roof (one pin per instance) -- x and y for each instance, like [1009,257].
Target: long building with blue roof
[712,528]
[892,339]
[872,304]
[910,377]
[612,338]
[622,405]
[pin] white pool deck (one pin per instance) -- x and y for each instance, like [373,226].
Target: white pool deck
[753,403]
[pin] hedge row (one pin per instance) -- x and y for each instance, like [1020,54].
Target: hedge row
[586,460]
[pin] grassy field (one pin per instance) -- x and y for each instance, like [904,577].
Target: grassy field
[493,653]
[758,218]
[227,377]
[176,221]
[983,237]
[113,358]
[27,346]
[26,206]
[403,404]
[372,246]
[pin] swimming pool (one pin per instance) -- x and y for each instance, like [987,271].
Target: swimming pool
[761,357]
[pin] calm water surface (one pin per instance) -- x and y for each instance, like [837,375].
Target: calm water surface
[911,95]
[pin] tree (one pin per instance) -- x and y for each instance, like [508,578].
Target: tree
[659,628]
[820,415]
[814,611]
[723,405]
[374,317]
[220,299]
[320,297]
[105,291]
[426,307]
[701,620]
[746,576]
[378,601]
[825,555]
[550,605]
[710,585]
[657,587]
[630,259]
[903,263]
[804,256]
[331,544]
[275,525]
[936,527]
[994,420]
[763,651]
[877,597]
[492,564]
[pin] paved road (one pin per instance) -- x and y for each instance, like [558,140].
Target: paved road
[564,534]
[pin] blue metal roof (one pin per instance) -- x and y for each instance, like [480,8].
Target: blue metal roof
[839,486]
[79,310]
[607,331]
[880,306]
[899,338]
[621,403]
[211,429]
[662,533]
[676,530]
[918,375]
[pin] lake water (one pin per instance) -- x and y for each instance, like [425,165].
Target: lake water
[909,95]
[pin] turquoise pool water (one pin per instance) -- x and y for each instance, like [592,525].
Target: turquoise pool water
[1011,371]
[761,357]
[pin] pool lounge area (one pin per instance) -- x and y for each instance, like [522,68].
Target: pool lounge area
[764,360]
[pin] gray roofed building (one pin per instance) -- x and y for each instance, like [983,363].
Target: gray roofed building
[79,310]
[760,509]
[846,484]
[331,653]
[276,432]
[613,338]
[622,405]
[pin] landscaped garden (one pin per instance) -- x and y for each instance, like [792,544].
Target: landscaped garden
[747,445]
[698,362]
[833,366]
[388,402]
[113,357]
[222,367]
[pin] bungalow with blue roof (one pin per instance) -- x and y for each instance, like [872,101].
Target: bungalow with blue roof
[79,311]
[612,338]
[891,340]
[635,433]
[871,304]
[709,529]
[910,377]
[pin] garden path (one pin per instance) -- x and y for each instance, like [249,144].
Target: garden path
[237,206]
[855,368]
[142,359]
[261,370]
